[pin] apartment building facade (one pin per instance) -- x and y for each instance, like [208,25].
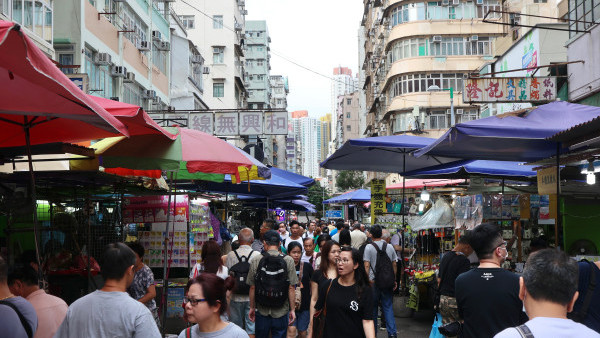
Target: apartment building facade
[280,90]
[120,49]
[36,20]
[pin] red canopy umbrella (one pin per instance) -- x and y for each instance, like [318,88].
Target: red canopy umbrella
[138,122]
[39,104]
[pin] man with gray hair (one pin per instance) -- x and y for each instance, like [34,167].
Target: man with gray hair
[358,237]
[238,263]
[548,289]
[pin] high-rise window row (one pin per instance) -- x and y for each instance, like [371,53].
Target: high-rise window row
[439,46]
[412,83]
[436,10]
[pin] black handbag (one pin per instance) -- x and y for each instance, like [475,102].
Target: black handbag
[319,318]
[451,329]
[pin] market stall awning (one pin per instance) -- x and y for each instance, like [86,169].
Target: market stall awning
[382,154]
[272,188]
[517,136]
[360,195]
[37,97]
[496,169]
[138,122]
[290,176]
[420,183]
[298,205]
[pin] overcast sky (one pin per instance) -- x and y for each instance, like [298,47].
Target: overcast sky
[317,34]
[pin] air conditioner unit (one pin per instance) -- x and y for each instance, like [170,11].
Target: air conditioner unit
[244,12]
[455,2]
[382,98]
[205,70]
[437,38]
[515,19]
[164,45]
[459,111]
[238,27]
[149,94]
[479,2]
[474,37]
[197,58]
[143,45]
[242,3]
[118,71]
[157,101]
[156,36]
[103,59]
[130,77]
[445,2]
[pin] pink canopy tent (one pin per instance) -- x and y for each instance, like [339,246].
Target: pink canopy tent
[138,122]
[419,183]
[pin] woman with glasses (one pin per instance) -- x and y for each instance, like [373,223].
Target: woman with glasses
[205,302]
[327,271]
[348,298]
[304,272]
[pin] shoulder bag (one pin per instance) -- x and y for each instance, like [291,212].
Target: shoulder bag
[320,317]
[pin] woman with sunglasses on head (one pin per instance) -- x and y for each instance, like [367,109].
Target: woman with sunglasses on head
[205,302]
[348,299]
[304,272]
[327,270]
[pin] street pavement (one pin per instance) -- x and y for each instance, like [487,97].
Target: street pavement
[417,326]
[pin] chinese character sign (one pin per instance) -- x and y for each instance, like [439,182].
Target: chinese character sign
[226,124]
[251,123]
[202,122]
[510,89]
[377,199]
[276,123]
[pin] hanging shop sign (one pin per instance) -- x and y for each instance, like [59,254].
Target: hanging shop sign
[546,181]
[378,207]
[228,123]
[334,214]
[509,89]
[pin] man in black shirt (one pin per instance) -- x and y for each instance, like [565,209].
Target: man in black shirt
[453,264]
[488,296]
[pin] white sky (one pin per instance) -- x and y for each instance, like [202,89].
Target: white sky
[317,34]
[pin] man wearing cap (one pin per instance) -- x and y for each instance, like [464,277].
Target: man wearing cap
[271,319]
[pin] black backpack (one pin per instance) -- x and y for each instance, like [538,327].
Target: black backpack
[240,272]
[384,271]
[271,284]
[581,313]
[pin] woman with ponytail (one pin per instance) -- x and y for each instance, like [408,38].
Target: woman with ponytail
[205,302]
[348,299]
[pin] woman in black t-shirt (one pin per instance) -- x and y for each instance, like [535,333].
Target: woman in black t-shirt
[330,252]
[349,299]
[302,321]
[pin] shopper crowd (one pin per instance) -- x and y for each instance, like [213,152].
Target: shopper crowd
[315,280]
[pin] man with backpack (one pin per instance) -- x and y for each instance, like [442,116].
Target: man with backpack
[272,296]
[17,316]
[238,263]
[380,258]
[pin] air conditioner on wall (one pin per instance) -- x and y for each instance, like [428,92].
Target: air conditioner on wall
[156,36]
[143,45]
[103,59]
[164,46]
[244,12]
[445,2]
[238,27]
[149,94]
[205,70]
[118,71]
[455,2]
[479,2]
[474,37]
[197,58]
[437,38]
[130,77]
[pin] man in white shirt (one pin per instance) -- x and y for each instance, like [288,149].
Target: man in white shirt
[310,232]
[548,289]
[295,235]
[358,238]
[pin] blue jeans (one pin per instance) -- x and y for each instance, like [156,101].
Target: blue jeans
[276,326]
[302,320]
[239,315]
[387,307]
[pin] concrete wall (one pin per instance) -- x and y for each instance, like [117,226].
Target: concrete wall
[584,78]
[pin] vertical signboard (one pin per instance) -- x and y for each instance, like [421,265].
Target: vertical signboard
[377,199]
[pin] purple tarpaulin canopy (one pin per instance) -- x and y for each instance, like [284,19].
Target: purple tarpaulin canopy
[476,168]
[518,136]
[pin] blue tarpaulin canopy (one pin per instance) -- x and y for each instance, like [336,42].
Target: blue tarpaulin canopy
[382,154]
[290,176]
[517,136]
[360,195]
[298,205]
[479,168]
[273,188]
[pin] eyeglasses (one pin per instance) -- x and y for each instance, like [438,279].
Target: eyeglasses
[193,301]
[344,261]
[502,244]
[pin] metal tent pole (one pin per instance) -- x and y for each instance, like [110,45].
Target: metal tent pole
[166,258]
[26,127]
[558,216]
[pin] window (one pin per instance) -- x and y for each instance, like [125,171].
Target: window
[437,120]
[434,10]
[348,128]
[218,55]
[188,21]
[132,94]
[583,10]
[411,83]
[260,62]
[100,82]
[467,115]
[217,21]
[348,115]
[66,60]
[348,102]
[218,89]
